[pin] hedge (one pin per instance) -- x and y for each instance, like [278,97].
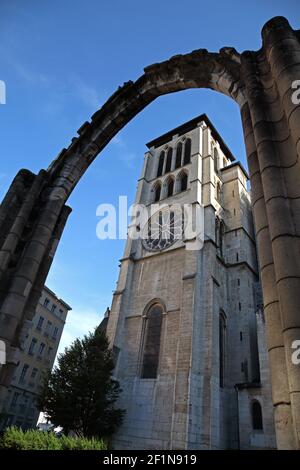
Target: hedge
[16,439]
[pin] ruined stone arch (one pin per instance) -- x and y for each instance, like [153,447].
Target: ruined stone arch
[33,212]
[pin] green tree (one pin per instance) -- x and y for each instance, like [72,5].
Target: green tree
[80,393]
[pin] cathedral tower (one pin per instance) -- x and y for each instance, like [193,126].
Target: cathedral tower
[184,317]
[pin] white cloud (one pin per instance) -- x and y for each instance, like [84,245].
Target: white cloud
[86,93]
[30,76]
[124,154]
[118,141]
[59,92]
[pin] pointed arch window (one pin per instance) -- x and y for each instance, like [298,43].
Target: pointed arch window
[222,347]
[178,155]
[217,230]
[151,343]
[169,160]
[257,421]
[170,187]
[157,191]
[219,193]
[216,160]
[221,237]
[183,179]
[187,151]
[172,217]
[161,164]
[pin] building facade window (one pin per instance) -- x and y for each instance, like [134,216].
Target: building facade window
[151,343]
[183,179]
[187,151]
[41,349]
[217,230]
[169,160]
[170,187]
[15,399]
[157,191]
[34,373]
[216,160]
[178,155]
[257,421]
[221,237]
[53,308]
[161,164]
[222,347]
[40,323]
[23,373]
[46,302]
[219,193]
[48,328]
[32,346]
[55,332]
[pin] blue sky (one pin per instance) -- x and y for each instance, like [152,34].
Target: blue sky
[60,61]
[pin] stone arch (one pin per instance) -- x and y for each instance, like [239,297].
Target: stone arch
[261,82]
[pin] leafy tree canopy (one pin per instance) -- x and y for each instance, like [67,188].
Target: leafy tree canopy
[80,393]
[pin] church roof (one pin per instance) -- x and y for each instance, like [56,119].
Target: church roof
[188,126]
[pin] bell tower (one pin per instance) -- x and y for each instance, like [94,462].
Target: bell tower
[183,318]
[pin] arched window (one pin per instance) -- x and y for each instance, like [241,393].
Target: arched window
[222,347]
[157,191]
[257,422]
[183,178]
[151,346]
[219,193]
[187,152]
[169,160]
[221,237]
[178,155]
[161,163]
[172,216]
[216,158]
[217,230]
[170,187]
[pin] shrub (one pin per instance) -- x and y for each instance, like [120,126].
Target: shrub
[16,439]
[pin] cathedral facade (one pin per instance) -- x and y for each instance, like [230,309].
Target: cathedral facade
[186,322]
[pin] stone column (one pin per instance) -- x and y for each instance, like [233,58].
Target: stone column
[275,343]
[26,283]
[279,172]
[10,203]
[16,231]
